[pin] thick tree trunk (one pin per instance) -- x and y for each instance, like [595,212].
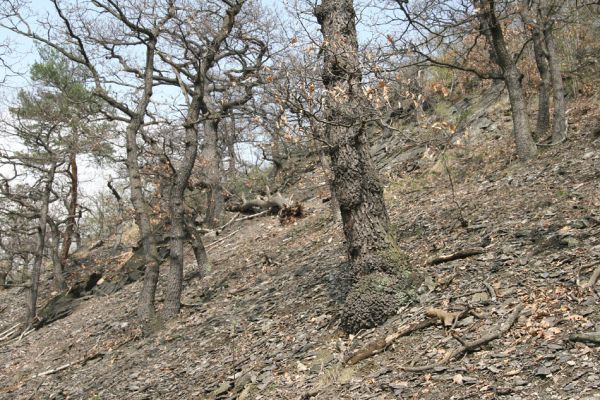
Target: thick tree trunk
[492,29]
[41,243]
[373,285]
[559,120]
[355,183]
[230,139]
[211,161]
[333,203]
[539,52]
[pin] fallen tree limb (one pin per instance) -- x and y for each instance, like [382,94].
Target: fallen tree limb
[594,278]
[271,202]
[378,345]
[251,216]
[456,256]
[82,361]
[495,333]
[10,332]
[435,315]
[222,239]
[592,337]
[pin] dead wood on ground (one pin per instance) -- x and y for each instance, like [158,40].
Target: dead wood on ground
[592,337]
[378,345]
[494,334]
[456,256]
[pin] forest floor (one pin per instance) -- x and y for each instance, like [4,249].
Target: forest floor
[263,324]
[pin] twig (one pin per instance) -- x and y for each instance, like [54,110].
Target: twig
[253,215]
[10,333]
[593,278]
[16,285]
[232,220]
[82,360]
[495,333]
[593,337]
[25,333]
[461,218]
[222,239]
[490,290]
[191,305]
[456,256]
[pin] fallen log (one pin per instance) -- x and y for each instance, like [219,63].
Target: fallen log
[273,202]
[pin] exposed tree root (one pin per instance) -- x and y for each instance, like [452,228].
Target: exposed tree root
[495,333]
[378,345]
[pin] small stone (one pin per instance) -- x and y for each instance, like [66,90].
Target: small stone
[503,390]
[543,371]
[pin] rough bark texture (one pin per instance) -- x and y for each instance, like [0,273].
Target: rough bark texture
[492,29]
[211,162]
[71,209]
[41,243]
[58,280]
[543,117]
[559,120]
[355,183]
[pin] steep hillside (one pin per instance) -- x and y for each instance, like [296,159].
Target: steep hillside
[263,324]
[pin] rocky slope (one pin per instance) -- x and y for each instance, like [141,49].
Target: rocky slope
[263,324]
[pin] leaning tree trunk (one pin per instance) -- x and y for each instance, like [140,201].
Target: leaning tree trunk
[559,119]
[41,243]
[211,162]
[199,250]
[492,29]
[355,183]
